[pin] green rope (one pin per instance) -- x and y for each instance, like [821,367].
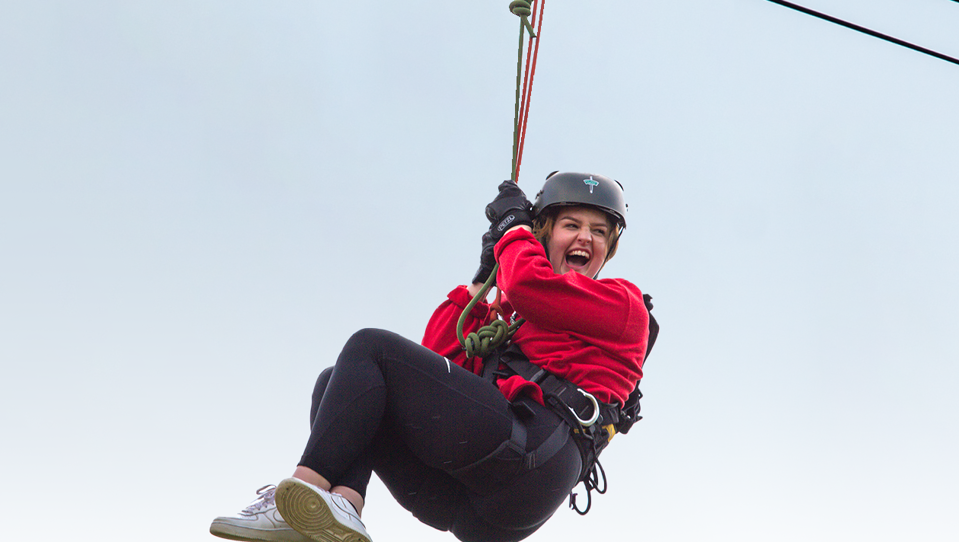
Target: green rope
[485,339]
[522,9]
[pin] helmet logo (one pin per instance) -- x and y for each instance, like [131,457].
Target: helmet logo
[591,183]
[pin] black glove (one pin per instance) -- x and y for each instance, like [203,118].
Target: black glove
[510,208]
[487,260]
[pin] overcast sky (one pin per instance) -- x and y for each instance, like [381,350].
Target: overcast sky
[201,201]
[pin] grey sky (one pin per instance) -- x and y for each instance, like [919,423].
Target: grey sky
[201,201]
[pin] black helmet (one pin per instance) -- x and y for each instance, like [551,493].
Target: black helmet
[582,189]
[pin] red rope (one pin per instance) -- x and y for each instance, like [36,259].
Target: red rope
[530,72]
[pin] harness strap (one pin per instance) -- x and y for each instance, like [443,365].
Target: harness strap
[565,392]
[591,424]
[518,434]
[514,449]
[548,448]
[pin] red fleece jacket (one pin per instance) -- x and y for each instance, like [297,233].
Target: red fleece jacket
[590,332]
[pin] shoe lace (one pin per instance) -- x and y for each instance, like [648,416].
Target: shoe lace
[266,497]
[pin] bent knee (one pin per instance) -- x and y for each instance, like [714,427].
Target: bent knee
[368,338]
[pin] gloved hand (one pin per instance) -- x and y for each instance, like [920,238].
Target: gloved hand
[487,260]
[509,208]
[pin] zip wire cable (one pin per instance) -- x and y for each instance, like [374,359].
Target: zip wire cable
[865,30]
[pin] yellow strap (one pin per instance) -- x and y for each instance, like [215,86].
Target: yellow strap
[611,429]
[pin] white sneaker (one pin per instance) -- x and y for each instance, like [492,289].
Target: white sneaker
[319,514]
[259,522]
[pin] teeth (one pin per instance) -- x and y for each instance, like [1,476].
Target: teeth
[582,253]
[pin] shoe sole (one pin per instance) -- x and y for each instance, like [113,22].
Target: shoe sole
[311,516]
[230,533]
[246,534]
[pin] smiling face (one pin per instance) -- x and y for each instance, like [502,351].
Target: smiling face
[578,240]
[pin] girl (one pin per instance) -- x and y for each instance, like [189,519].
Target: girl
[486,462]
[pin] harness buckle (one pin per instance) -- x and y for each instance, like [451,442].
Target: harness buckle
[594,417]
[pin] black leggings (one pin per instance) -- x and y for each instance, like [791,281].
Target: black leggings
[396,408]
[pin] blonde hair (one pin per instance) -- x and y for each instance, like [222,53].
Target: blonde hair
[543,227]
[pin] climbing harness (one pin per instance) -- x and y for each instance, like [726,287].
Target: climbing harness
[590,423]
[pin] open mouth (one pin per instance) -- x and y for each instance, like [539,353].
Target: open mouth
[577,258]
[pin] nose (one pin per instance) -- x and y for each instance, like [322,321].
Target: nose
[585,235]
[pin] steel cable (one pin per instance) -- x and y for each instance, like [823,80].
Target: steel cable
[867,31]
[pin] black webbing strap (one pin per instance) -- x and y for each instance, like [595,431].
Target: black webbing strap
[518,434]
[564,391]
[548,448]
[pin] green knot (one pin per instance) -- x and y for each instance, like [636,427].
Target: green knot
[523,9]
[486,339]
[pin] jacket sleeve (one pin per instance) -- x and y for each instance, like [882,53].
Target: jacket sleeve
[606,309]
[440,335]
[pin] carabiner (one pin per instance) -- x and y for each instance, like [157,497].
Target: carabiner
[595,416]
